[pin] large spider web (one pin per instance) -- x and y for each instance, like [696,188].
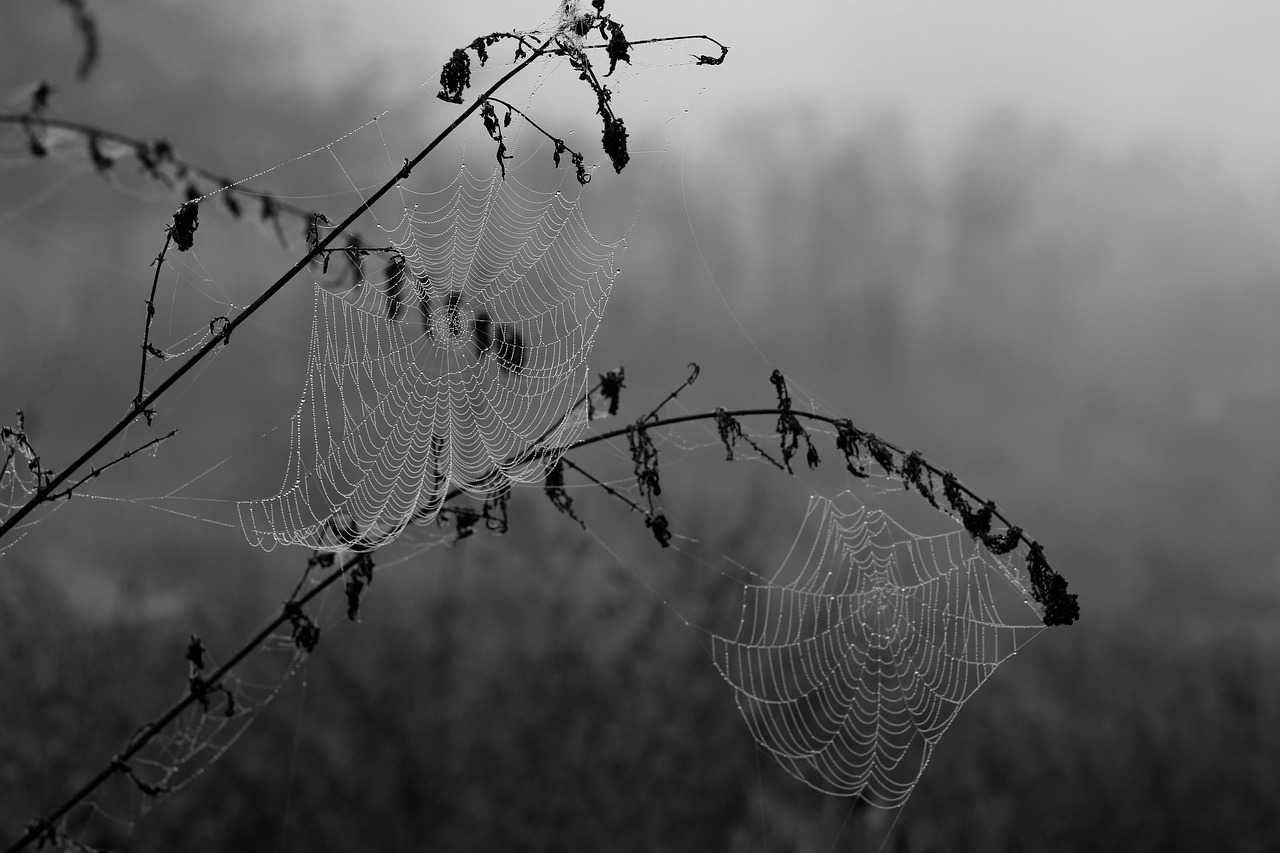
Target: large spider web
[850,655]
[851,661]
[458,363]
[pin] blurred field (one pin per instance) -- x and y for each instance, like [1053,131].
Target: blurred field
[1088,339]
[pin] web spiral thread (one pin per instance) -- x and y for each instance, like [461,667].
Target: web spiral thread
[852,660]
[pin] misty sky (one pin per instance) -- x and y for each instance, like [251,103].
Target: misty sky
[1117,72]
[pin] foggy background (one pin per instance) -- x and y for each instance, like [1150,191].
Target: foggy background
[1035,241]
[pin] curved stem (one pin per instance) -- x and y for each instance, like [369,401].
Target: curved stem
[744,413]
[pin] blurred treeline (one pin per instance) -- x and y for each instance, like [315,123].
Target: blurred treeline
[1088,339]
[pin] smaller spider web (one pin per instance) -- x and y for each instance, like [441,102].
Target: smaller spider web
[183,750]
[192,742]
[851,661]
[455,361]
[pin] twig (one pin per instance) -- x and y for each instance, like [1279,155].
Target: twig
[69,490]
[527,118]
[724,49]
[87,28]
[358,250]
[693,377]
[576,157]
[607,488]
[147,349]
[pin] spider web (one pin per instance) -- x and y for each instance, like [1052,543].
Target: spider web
[203,732]
[851,661]
[190,745]
[454,359]
[458,363]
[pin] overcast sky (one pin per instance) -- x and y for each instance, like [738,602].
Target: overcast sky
[1200,74]
[1117,72]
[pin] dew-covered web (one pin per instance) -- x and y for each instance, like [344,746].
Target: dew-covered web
[192,742]
[456,360]
[453,322]
[850,655]
[231,694]
[851,661]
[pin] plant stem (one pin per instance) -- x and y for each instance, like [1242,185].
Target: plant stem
[146,331]
[746,413]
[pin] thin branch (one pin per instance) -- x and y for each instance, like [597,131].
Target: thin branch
[147,349]
[702,59]
[69,490]
[576,157]
[87,28]
[527,118]
[694,370]
[358,250]
[609,489]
